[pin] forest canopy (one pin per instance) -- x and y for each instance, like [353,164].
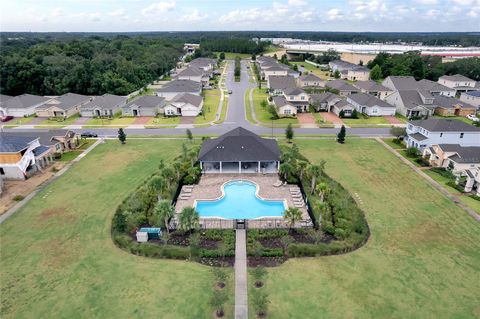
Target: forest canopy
[94,65]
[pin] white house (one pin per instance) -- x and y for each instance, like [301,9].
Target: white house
[175,87]
[310,80]
[22,156]
[298,98]
[425,133]
[471,97]
[458,82]
[370,105]
[277,84]
[184,104]
[275,70]
[105,105]
[22,105]
[372,88]
[146,105]
[344,106]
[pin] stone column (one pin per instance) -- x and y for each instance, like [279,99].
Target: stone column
[457,179]
[469,184]
[220,167]
[259,167]
[239,167]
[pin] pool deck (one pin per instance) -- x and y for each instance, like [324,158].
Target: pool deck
[209,188]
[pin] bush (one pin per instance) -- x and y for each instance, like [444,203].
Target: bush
[422,161]
[443,172]
[328,229]
[18,198]
[412,152]
[340,233]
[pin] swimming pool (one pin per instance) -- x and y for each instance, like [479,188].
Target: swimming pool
[240,201]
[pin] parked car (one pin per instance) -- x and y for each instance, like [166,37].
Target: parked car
[7,118]
[472,117]
[88,134]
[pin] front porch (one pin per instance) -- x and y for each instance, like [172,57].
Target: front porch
[245,167]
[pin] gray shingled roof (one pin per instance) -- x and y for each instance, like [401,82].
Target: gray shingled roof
[24,101]
[445,125]
[365,99]
[343,103]
[404,83]
[193,99]
[4,98]
[14,143]
[275,68]
[370,86]
[473,93]
[456,77]
[66,101]
[106,101]
[202,62]
[190,71]
[181,86]
[465,154]
[341,85]
[281,82]
[411,99]
[344,65]
[147,101]
[310,77]
[323,97]
[239,145]
[417,136]
[293,91]
[45,137]
[432,86]
[40,150]
[450,102]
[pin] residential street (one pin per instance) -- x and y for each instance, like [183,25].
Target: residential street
[236,116]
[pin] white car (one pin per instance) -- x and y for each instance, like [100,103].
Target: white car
[473,118]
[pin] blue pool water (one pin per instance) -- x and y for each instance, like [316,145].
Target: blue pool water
[240,202]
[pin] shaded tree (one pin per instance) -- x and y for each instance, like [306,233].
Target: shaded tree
[122,137]
[341,135]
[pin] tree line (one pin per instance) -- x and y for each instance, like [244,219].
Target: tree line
[93,65]
[233,45]
[421,67]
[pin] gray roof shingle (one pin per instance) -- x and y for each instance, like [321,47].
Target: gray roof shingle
[24,101]
[66,101]
[445,125]
[106,101]
[14,143]
[281,82]
[370,86]
[180,86]
[193,99]
[341,85]
[368,100]
[465,154]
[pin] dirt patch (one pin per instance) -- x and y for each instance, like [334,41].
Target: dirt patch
[24,187]
[59,214]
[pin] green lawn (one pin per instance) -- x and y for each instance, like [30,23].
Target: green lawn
[363,119]
[58,260]
[325,75]
[161,120]
[69,156]
[113,121]
[422,260]
[19,121]
[68,121]
[223,114]
[263,115]
[210,107]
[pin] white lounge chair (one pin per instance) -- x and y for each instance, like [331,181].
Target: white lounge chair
[277,184]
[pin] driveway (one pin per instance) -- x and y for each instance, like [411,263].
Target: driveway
[393,120]
[332,118]
[141,120]
[81,121]
[187,119]
[306,120]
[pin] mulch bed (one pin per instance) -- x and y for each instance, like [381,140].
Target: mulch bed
[265,261]
[218,262]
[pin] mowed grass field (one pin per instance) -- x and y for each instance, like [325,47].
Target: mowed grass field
[422,260]
[58,260]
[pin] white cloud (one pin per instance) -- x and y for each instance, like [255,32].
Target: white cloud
[296,3]
[194,16]
[427,2]
[334,14]
[237,16]
[432,13]
[158,8]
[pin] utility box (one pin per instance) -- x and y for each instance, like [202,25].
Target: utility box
[152,232]
[142,236]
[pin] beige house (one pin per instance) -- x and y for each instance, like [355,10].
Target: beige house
[350,71]
[471,97]
[344,106]
[373,88]
[310,80]
[63,106]
[283,107]
[450,106]
[298,98]
[458,158]
[458,82]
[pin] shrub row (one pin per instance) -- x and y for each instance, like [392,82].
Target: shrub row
[151,250]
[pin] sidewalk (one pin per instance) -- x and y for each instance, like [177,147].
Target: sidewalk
[241,298]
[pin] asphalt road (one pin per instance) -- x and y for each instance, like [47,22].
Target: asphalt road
[236,116]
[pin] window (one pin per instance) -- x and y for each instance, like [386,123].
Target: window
[287,112]
[461,135]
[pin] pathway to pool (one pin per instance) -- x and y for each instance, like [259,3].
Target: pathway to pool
[241,300]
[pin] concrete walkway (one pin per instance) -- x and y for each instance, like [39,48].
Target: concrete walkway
[434,183]
[27,198]
[241,299]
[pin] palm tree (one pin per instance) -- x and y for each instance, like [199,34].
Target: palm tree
[301,166]
[188,219]
[292,215]
[164,211]
[314,171]
[177,167]
[161,164]
[322,190]
[159,185]
[285,170]
[168,174]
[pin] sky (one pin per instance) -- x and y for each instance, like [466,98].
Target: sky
[227,15]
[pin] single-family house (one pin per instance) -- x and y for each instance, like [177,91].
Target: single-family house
[412,103]
[324,101]
[345,106]
[22,105]
[472,180]
[370,105]
[239,151]
[175,87]
[458,158]
[22,156]
[63,106]
[471,97]
[342,86]
[297,97]
[105,105]
[194,74]
[373,88]
[450,106]
[458,82]
[400,83]
[274,70]
[146,105]
[184,104]
[283,107]
[435,88]
[206,64]
[310,80]
[277,84]
[59,141]
[350,71]
[425,133]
